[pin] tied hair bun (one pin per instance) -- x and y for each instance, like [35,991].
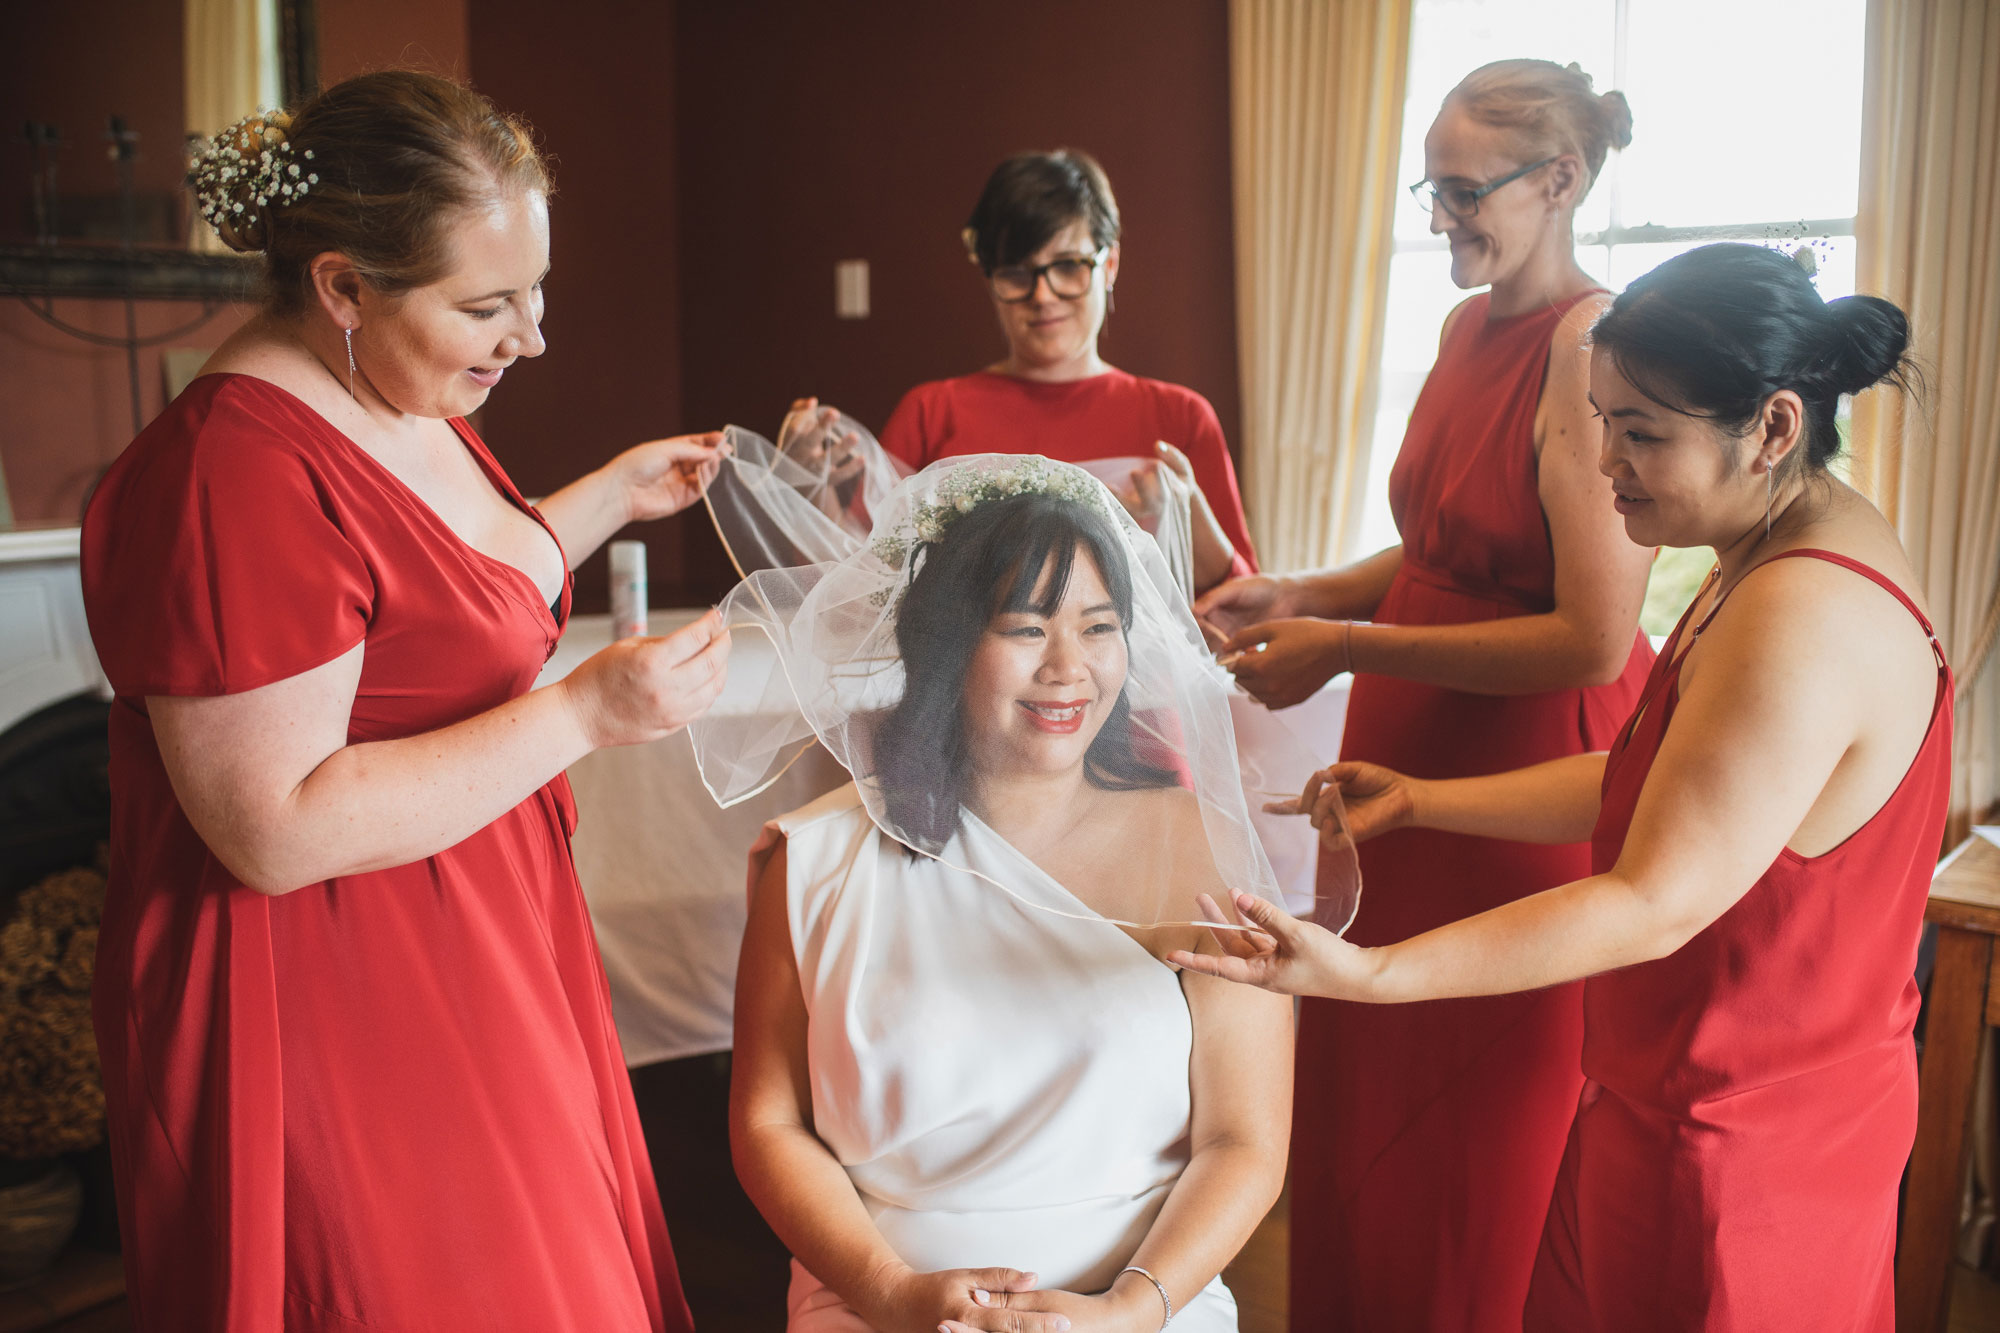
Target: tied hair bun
[1870,339]
[243,176]
[1616,114]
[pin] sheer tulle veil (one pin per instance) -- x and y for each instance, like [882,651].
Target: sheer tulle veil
[1003,659]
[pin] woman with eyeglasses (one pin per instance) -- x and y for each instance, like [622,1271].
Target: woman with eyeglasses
[1045,234]
[1502,632]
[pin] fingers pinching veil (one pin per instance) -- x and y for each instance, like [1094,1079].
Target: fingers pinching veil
[1004,662]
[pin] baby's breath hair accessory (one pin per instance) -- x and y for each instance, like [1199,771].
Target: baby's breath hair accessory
[246,172]
[965,490]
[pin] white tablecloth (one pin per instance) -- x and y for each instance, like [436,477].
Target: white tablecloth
[663,868]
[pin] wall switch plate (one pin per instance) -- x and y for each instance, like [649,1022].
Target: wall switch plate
[850,289]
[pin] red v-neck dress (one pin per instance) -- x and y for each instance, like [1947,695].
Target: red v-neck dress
[1425,1137]
[1752,1097]
[392,1100]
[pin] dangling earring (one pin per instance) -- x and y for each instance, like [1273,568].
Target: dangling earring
[349,331]
[1769,474]
[1110,299]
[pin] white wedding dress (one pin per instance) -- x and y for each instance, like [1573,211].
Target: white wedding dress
[1004,1087]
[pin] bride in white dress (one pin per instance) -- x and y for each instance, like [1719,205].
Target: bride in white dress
[965,1095]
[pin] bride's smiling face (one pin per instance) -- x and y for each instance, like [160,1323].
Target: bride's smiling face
[1038,688]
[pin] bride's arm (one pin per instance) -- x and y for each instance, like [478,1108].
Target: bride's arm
[1240,1083]
[796,1183]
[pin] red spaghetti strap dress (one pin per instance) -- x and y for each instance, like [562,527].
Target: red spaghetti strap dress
[1113,415]
[1425,1137]
[392,1100]
[1752,1097]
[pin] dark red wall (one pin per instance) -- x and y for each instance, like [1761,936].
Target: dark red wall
[360,35]
[811,133]
[598,92]
[714,158]
[76,64]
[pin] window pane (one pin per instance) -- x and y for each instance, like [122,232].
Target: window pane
[1742,111]
[1835,257]
[1421,294]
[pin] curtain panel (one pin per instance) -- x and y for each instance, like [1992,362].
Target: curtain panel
[1316,110]
[1929,240]
[229,69]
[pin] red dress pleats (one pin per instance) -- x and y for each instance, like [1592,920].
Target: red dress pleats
[392,1100]
[1751,1099]
[1426,1137]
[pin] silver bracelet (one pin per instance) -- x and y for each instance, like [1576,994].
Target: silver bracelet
[1165,1299]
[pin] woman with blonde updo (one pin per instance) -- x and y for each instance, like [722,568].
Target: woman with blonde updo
[359,1064]
[1501,632]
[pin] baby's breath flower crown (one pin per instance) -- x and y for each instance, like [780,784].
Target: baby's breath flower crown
[965,490]
[245,173]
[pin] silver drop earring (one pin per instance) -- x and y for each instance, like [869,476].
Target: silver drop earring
[349,331]
[1769,475]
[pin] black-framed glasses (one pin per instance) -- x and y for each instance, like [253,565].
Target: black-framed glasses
[1462,201]
[1069,277]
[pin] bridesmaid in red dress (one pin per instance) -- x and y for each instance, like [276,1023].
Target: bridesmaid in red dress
[1762,836]
[1045,234]
[358,1054]
[1426,1137]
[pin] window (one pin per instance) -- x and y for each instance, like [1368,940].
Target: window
[1746,126]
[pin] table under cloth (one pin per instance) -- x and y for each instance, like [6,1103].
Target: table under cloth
[663,868]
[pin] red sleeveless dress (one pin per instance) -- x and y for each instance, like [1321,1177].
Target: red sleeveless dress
[1751,1099]
[1426,1137]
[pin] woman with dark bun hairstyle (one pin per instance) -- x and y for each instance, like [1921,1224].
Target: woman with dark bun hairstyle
[1501,631]
[359,1064]
[1762,835]
[1045,235]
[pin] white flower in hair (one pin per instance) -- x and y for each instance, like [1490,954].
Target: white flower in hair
[251,160]
[965,489]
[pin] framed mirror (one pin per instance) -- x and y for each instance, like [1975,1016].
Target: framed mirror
[98,102]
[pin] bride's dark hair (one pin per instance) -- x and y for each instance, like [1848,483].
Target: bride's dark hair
[991,560]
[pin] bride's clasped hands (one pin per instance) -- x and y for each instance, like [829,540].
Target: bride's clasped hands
[1006,1300]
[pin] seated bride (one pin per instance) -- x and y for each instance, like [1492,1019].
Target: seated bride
[968,1093]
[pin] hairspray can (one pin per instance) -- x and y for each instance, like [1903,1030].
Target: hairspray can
[628,589]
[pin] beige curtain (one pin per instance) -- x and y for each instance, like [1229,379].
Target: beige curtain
[1929,240]
[1316,110]
[229,64]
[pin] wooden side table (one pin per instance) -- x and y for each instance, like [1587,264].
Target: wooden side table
[1964,1001]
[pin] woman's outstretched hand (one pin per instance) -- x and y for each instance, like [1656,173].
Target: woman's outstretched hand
[1285,662]
[663,477]
[1354,801]
[641,689]
[1214,554]
[811,437]
[1240,603]
[1281,953]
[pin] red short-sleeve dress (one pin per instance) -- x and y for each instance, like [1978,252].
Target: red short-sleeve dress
[1426,1136]
[392,1100]
[1113,415]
